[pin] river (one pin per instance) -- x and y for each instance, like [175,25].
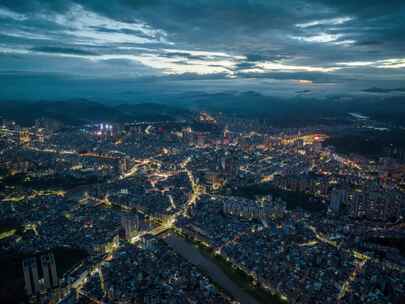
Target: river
[193,255]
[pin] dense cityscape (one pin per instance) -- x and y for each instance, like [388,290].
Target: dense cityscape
[135,204]
[202,152]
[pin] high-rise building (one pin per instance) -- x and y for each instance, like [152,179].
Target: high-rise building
[375,206]
[49,271]
[148,242]
[230,165]
[130,226]
[338,197]
[122,166]
[31,274]
[31,277]
[358,202]
[24,137]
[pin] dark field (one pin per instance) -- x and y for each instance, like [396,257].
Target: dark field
[370,143]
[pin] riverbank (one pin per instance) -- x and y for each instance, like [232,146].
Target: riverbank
[234,281]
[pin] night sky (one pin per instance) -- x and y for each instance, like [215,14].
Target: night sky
[61,49]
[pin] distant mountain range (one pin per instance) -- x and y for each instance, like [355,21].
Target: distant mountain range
[84,111]
[300,110]
[283,112]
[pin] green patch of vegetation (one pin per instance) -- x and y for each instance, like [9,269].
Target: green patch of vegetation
[9,227]
[398,243]
[294,199]
[370,143]
[245,282]
[47,183]
[66,258]
[8,233]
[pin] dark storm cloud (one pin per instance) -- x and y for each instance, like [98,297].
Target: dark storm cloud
[384,91]
[188,18]
[376,23]
[270,56]
[252,59]
[183,55]
[322,41]
[123,31]
[61,50]
[245,65]
[303,91]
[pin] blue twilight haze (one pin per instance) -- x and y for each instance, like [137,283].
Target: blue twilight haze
[67,48]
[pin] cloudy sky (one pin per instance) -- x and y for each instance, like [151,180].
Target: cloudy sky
[89,48]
